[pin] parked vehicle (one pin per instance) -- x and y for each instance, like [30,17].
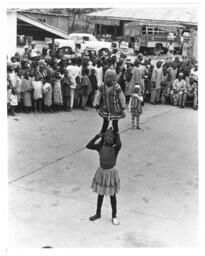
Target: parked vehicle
[65,45]
[154,38]
[84,42]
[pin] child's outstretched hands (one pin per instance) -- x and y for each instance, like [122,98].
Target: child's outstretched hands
[99,135]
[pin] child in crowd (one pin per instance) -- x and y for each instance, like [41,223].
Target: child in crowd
[135,106]
[111,101]
[27,90]
[37,93]
[94,85]
[66,82]
[47,92]
[8,94]
[78,91]
[13,101]
[19,81]
[57,94]
[106,180]
[85,83]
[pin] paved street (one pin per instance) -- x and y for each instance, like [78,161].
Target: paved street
[50,174]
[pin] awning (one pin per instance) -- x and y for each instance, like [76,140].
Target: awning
[30,26]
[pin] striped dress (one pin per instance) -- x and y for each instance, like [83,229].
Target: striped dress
[111,101]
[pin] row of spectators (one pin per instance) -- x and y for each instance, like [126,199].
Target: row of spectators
[48,84]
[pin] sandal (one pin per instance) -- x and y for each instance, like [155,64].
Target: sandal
[95,217]
[115,221]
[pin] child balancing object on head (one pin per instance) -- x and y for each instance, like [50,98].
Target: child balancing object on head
[110,100]
[135,106]
[106,180]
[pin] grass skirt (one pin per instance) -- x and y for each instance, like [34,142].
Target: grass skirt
[106,181]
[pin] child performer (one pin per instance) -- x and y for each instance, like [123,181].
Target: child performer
[135,106]
[106,180]
[110,100]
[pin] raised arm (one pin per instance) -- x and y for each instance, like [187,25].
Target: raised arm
[94,146]
[118,144]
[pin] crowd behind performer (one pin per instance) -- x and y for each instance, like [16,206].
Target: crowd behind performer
[106,181]
[22,69]
[135,107]
[111,101]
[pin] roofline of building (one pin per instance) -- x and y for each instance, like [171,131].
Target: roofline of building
[144,20]
[43,13]
[42,25]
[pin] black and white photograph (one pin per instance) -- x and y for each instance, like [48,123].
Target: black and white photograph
[102,126]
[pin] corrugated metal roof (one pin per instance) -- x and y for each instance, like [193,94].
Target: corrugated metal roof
[183,15]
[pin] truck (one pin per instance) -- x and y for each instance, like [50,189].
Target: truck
[154,38]
[83,42]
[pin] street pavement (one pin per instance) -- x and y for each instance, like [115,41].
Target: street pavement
[50,173]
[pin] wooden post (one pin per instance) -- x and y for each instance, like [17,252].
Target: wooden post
[53,47]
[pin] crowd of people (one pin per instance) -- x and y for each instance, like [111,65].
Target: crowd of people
[45,84]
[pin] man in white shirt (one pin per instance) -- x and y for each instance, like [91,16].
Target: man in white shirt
[99,73]
[74,71]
